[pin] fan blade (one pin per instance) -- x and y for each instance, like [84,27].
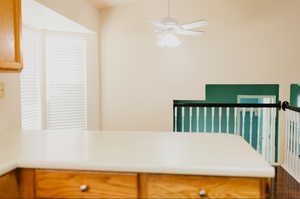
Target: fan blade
[197,24]
[158,24]
[188,32]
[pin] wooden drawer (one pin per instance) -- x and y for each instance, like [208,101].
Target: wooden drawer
[180,186]
[66,184]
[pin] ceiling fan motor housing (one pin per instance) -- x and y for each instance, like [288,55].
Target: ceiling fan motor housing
[169,21]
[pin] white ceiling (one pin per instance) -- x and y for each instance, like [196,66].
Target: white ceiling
[110,3]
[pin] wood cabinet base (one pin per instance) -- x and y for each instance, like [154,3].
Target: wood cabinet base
[37,183]
[9,186]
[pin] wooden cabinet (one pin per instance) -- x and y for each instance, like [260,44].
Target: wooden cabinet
[181,186]
[10,35]
[9,186]
[73,185]
[55,184]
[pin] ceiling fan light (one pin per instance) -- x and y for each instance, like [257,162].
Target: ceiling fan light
[168,40]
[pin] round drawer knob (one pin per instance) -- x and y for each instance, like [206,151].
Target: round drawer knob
[84,188]
[202,193]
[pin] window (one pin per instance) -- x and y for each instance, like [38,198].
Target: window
[55,65]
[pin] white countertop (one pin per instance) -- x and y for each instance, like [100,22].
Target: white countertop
[150,152]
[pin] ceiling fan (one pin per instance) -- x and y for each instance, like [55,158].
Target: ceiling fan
[170,25]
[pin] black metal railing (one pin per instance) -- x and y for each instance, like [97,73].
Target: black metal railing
[225,105]
[286,106]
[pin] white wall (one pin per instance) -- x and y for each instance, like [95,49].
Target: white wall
[10,103]
[247,41]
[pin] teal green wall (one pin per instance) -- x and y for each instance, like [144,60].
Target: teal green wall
[295,92]
[227,93]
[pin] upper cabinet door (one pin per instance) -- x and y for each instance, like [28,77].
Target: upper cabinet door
[10,35]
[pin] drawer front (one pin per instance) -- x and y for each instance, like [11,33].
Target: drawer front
[179,186]
[73,184]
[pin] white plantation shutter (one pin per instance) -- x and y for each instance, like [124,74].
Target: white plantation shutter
[66,81]
[30,81]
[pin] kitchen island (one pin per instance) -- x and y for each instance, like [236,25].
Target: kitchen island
[135,165]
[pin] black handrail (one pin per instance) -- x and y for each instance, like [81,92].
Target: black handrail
[227,105]
[286,106]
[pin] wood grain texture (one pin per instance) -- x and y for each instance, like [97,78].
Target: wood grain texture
[10,35]
[66,184]
[26,180]
[9,186]
[181,186]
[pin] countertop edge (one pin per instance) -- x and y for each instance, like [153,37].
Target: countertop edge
[8,167]
[263,173]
